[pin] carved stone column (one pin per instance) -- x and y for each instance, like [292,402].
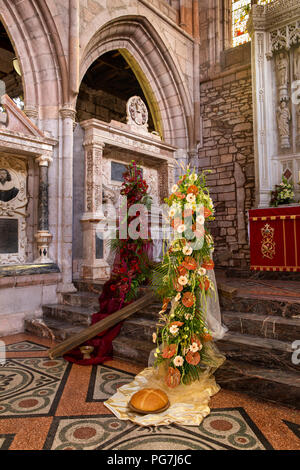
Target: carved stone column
[43,236]
[94,265]
[67,114]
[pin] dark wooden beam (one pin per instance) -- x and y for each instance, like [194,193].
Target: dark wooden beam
[101,326]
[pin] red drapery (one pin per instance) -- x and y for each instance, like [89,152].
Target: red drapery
[275,239]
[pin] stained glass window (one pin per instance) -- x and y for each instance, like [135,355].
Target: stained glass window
[240,16]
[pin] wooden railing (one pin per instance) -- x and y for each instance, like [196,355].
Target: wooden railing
[101,326]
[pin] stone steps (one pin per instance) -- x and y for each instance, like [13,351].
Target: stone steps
[279,386]
[252,349]
[62,330]
[132,350]
[69,313]
[82,299]
[139,327]
[279,306]
[264,326]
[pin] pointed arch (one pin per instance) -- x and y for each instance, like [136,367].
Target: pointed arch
[41,57]
[155,69]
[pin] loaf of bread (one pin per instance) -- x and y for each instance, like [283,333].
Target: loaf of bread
[149,400]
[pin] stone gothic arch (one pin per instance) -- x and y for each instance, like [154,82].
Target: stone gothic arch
[155,70]
[38,47]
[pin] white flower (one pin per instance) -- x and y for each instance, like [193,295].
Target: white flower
[174,188]
[191,198]
[181,228]
[174,330]
[154,337]
[193,177]
[194,347]
[187,250]
[178,297]
[200,219]
[178,361]
[202,271]
[183,280]
[172,212]
[188,316]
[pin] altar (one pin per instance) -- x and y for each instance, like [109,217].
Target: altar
[275,239]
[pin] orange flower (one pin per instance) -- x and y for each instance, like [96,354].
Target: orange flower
[176,323]
[207,337]
[182,270]
[208,264]
[178,287]
[188,299]
[169,351]
[207,212]
[193,190]
[206,284]
[189,263]
[196,340]
[179,195]
[193,358]
[173,377]
[165,304]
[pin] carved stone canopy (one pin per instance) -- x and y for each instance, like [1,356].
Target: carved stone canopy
[20,135]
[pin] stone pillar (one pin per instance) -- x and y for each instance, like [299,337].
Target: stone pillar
[43,236]
[66,193]
[94,264]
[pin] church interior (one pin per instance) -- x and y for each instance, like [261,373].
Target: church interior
[104,98]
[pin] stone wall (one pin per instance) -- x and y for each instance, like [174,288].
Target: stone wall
[227,150]
[99,105]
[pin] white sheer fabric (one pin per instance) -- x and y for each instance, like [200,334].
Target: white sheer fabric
[214,318]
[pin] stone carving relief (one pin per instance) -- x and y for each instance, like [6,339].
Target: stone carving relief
[296,65]
[137,112]
[283,119]
[282,69]
[13,204]
[286,37]
[282,74]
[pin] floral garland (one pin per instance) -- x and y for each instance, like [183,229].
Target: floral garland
[283,193]
[182,336]
[134,266]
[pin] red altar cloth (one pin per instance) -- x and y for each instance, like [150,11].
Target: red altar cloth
[275,239]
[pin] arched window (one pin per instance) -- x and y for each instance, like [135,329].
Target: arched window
[240,15]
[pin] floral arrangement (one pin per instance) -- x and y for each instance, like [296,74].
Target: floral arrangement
[283,193]
[182,281]
[133,267]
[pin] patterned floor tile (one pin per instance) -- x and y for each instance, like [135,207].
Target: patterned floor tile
[105,381]
[24,346]
[228,429]
[32,386]
[293,427]
[5,441]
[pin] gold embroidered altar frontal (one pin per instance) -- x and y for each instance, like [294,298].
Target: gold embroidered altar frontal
[275,239]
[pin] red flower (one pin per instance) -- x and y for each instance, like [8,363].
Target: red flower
[173,377]
[188,299]
[193,358]
[193,190]
[189,263]
[207,212]
[169,351]
[208,264]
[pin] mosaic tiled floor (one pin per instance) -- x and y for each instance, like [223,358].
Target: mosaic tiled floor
[51,404]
